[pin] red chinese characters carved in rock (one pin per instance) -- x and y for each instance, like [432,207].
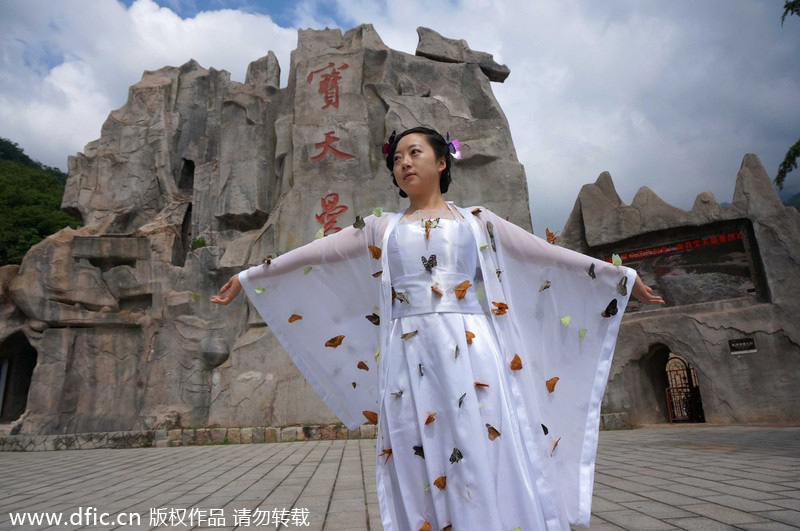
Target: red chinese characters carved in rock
[329,83]
[327,147]
[331,209]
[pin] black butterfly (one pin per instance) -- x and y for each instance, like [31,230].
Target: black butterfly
[418,450]
[461,400]
[430,263]
[490,230]
[591,271]
[622,287]
[359,223]
[545,430]
[374,319]
[421,373]
[456,456]
[611,309]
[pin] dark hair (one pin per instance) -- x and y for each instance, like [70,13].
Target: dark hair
[440,149]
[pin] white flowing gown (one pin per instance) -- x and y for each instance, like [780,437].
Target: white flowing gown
[485,370]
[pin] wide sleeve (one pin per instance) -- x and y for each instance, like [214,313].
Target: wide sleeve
[558,336]
[321,302]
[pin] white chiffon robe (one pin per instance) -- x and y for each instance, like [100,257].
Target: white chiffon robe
[493,431]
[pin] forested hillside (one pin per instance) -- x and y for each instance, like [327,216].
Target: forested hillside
[30,197]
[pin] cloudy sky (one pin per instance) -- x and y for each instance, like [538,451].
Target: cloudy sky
[667,94]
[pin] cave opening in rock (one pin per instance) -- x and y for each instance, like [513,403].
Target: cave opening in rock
[17,360]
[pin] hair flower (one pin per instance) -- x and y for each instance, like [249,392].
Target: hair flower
[453,146]
[389,143]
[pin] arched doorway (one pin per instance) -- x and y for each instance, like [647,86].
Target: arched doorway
[17,360]
[684,403]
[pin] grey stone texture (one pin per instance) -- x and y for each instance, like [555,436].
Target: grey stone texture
[197,177]
[748,388]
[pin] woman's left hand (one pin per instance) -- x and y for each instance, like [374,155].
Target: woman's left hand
[645,293]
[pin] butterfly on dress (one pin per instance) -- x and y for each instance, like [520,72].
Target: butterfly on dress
[441,482]
[493,433]
[490,230]
[622,286]
[387,452]
[591,271]
[551,236]
[418,450]
[374,318]
[456,456]
[611,309]
[429,264]
[359,223]
[429,224]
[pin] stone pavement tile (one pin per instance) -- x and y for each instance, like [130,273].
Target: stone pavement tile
[616,495]
[739,503]
[622,484]
[786,516]
[700,523]
[656,509]
[669,497]
[688,490]
[763,486]
[787,503]
[768,526]
[723,514]
[635,521]
[599,505]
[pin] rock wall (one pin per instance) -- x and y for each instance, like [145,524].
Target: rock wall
[755,387]
[197,177]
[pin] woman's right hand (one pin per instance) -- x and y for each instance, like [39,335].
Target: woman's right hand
[228,292]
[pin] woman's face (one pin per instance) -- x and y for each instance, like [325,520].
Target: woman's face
[416,167]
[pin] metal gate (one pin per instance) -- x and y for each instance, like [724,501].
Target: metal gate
[683,394]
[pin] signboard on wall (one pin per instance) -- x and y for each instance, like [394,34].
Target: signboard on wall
[693,265]
[745,345]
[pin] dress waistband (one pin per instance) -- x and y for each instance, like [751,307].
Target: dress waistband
[430,293]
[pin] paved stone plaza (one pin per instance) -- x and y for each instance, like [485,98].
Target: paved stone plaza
[668,477]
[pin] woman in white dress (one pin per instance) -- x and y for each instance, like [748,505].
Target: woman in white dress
[493,350]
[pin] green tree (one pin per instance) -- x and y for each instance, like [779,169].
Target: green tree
[30,200]
[790,8]
[790,161]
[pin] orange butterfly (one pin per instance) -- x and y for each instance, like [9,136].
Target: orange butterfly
[431,418]
[441,482]
[388,453]
[493,433]
[425,527]
[267,260]
[375,251]
[408,335]
[551,236]
[481,384]
[501,309]
[555,444]
[363,366]
[551,384]
[476,211]
[461,289]
[470,336]
[371,416]
[294,317]
[436,290]
[516,363]
[377,274]
[334,341]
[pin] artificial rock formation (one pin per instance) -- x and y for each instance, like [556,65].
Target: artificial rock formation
[197,177]
[754,387]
